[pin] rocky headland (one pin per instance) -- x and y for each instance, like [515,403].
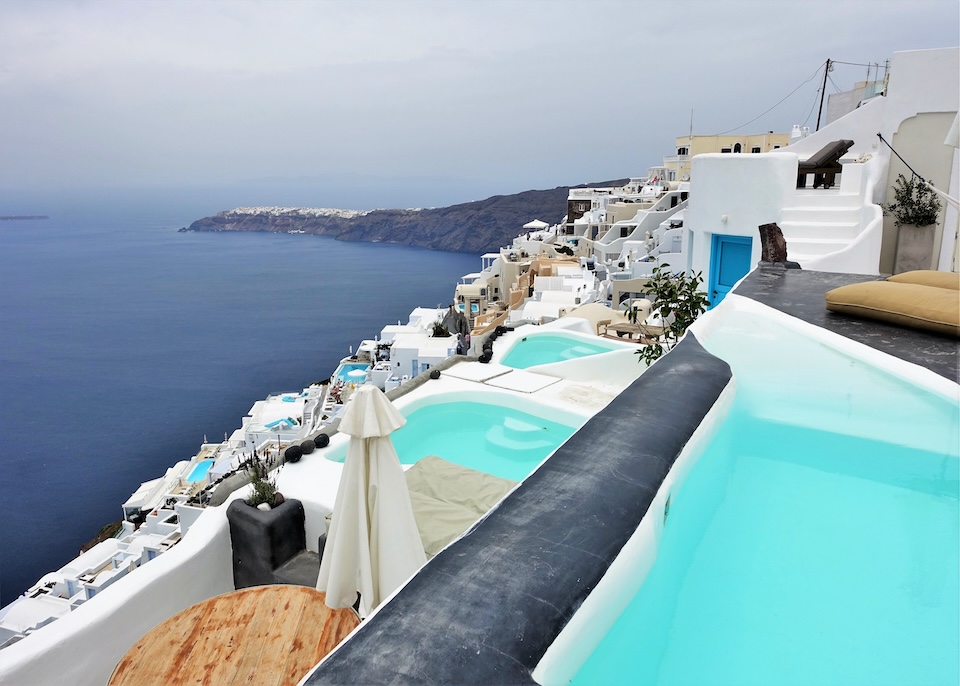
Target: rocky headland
[472,227]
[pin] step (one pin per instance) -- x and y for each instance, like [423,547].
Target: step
[793,231]
[302,569]
[517,428]
[820,214]
[797,250]
[828,198]
[501,437]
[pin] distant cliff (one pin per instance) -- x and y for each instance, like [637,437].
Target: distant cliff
[473,227]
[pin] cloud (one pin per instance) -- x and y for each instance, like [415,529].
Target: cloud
[511,95]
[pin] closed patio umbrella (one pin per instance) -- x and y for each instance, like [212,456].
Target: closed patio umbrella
[373,545]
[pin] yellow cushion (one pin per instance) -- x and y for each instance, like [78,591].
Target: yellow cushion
[928,277]
[906,304]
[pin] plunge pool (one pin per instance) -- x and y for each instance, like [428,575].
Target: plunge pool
[547,348]
[199,471]
[487,437]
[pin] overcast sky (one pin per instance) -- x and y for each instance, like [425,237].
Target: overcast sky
[470,97]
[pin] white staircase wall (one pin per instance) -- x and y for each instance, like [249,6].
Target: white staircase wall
[838,230]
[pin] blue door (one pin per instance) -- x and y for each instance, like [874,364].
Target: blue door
[729,262]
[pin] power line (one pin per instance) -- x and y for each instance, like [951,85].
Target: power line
[813,103]
[856,64]
[775,106]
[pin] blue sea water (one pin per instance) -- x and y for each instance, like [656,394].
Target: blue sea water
[123,343]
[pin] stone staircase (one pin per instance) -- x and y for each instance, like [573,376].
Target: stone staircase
[820,223]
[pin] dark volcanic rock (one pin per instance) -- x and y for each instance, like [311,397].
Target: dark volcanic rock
[472,227]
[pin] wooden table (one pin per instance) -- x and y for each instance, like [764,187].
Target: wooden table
[261,635]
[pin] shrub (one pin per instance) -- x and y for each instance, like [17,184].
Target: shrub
[914,204]
[264,487]
[680,301]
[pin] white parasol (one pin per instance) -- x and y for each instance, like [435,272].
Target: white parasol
[373,545]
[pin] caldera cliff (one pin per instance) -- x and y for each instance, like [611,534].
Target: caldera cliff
[468,227]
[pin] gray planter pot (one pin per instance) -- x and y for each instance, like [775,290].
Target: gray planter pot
[914,248]
[263,541]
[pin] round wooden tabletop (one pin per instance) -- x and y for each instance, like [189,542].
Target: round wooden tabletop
[261,635]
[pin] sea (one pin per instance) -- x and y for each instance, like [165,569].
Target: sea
[124,344]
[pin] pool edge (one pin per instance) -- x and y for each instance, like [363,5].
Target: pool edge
[486,609]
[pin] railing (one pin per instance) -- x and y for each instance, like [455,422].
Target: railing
[482,327]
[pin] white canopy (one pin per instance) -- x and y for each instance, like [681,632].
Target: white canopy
[536,224]
[373,545]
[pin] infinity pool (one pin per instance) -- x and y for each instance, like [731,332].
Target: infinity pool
[343,372]
[815,539]
[791,556]
[199,472]
[554,347]
[489,438]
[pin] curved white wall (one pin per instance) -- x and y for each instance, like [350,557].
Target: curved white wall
[85,646]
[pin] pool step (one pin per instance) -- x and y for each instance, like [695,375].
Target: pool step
[516,434]
[576,351]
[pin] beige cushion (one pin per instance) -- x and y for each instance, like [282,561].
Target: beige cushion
[448,499]
[906,304]
[928,277]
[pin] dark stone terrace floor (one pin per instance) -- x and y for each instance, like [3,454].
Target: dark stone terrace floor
[800,293]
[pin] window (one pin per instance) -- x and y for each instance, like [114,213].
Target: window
[683,151]
[755,149]
[776,147]
[737,147]
[725,149]
[625,231]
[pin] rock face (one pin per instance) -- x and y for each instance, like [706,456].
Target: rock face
[469,227]
[773,246]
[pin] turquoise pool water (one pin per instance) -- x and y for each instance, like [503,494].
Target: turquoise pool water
[816,539]
[796,557]
[489,438]
[547,348]
[199,472]
[345,369]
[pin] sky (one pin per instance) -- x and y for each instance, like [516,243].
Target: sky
[410,103]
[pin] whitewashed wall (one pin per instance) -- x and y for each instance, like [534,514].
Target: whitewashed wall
[733,195]
[84,647]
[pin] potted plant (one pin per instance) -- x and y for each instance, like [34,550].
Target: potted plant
[914,202]
[264,487]
[916,207]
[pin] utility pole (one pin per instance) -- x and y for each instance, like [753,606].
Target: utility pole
[823,92]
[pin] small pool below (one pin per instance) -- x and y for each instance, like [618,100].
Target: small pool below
[344,373]
[199,471]
[489,438]
[544,348]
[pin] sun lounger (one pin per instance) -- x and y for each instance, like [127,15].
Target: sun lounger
[824,165]
[641,333]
